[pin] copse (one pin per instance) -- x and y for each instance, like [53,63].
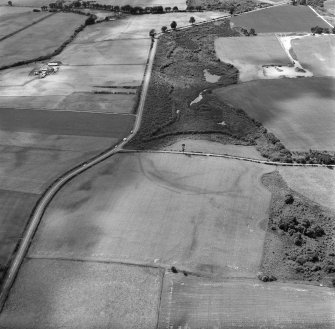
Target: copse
[192,20]
[167,9]
[173,25]
[164,28]
[175,8]
[152,33]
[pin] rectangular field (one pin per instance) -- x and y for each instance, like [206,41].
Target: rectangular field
[106,52]
[199,214]
[300,112]
[316,53]
[66,123]
[39,39]
[285,18]
[248,54]
[51,293]
[202,303]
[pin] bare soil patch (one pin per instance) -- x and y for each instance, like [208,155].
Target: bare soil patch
[299,243]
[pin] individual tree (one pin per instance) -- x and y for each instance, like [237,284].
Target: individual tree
[252,32]
[116,8]
[192,20]
[175,8]
[333,30]
[190,8]
[173,25]
[152,33]
[167,9]
[164,28]
[90,20]
[231,10]
[10,3]
[198,8]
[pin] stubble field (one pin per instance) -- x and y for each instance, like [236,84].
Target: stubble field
[248,54]
[300,112]
[200,214]
[202,303]
[285,18]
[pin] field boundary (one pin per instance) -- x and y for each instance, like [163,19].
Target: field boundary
[311,8]
[25,27]
[228,156]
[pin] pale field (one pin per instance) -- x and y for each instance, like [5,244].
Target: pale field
[285,18]
[63,294]
[39,39]
[138,27]
[330,6]
[193,145]
[106,52]
[248,54]
[300,112]
[14,20]
[316,53]
[190,302]
[200,214]
[317,184]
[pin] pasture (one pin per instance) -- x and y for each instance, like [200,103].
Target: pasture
[202,303]
[316,184]
[199,214]
[248,54]
[285,18]
[79,295]
[39,39]
[14,19]
[300,112]
[316,53]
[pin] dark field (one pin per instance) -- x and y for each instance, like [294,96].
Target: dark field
[66,123]
[284,18]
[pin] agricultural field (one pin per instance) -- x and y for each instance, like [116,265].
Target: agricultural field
[316,53]
[300,112]
[317,184]
[285,18]
[36,40]
[98,295]
[15,18]
[190,302]
[26,3]
[187,216]
[181,4]
[249,54]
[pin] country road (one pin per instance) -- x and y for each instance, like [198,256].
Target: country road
[56,185]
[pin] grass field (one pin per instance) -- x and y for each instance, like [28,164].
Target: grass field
[138,27]
[317,184]
[14,213]
[14,19]
[248,54]
[198,214]
[201,303]
[77,295]
[108,52]
[286,18]
[316,53]
[300,112]
[39,39]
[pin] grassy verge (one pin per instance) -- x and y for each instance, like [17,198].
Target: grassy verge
[299,239]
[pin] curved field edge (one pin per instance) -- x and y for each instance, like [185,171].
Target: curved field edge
[299,243]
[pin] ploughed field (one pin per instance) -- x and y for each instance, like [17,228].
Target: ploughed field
[203,215]
[300,112]
[285,18]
